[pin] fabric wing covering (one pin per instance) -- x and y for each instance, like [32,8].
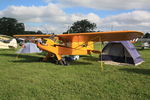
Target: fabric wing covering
[122,52]
[29,48]
[102,36]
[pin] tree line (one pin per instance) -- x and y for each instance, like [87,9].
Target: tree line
[10,26]
[147,35]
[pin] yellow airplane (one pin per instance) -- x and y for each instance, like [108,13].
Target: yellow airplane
[78,43]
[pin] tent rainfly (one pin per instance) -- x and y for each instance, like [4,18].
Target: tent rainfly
[29,48]
[121,52]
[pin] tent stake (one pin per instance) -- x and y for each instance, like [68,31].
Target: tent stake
[17,56]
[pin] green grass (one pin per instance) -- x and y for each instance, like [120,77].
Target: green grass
[24,78]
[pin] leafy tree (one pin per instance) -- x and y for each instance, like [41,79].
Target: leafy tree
[39,32]
[10,26]
[33,32]
[147,35]
[30,32]
[81,27]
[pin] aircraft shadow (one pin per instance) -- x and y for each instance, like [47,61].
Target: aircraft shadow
[24,58]
[138,71]
[13,49]
[79,63]
[90,58]
[30,58]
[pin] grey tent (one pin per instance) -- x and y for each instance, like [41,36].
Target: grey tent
[29,48]
[122,52]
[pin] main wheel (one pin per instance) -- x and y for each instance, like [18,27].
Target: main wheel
[63,62]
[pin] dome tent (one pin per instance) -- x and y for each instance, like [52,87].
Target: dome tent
[121,52]
[29,48]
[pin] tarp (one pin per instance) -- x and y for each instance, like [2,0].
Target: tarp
[29,48]
[6,44]
[121,51]
[13,43]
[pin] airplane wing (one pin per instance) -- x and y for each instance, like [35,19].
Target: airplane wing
[92,36]
[32,36]
[102,36]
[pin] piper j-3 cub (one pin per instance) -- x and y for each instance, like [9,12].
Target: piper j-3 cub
[78,43]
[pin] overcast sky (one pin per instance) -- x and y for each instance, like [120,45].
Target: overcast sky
[58,15]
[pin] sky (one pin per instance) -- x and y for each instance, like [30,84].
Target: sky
[56,16]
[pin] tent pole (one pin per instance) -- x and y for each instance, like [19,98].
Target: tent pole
[101,63]
[125,55]
[16,57]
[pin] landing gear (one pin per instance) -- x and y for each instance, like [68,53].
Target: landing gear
[63,62]
[50,57]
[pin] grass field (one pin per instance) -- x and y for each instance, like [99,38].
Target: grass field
[24,78]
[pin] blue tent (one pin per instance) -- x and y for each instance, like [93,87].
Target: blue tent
[122,52]
[29,48]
